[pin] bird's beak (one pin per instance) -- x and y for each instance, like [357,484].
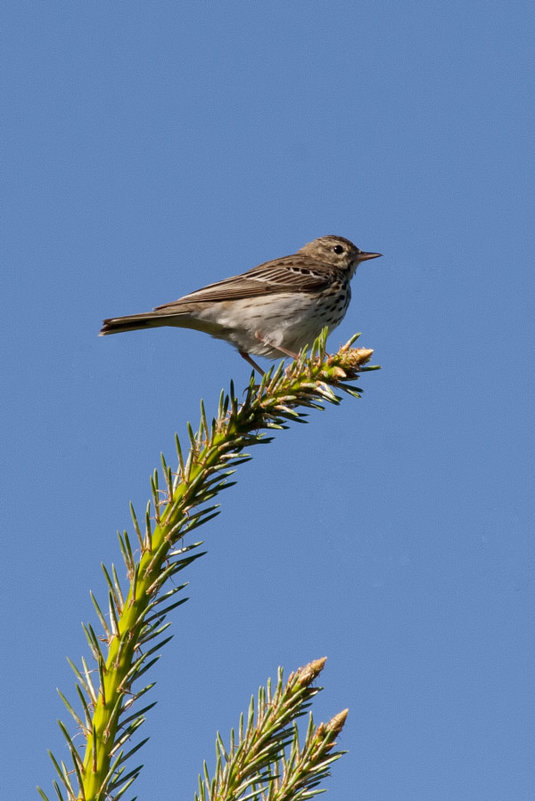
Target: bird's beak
[362,256]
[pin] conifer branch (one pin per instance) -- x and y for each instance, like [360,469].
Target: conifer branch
[133,626]
[265,761]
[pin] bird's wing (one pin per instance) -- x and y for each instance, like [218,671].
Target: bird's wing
[289,274]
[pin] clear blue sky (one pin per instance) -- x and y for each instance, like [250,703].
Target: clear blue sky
[151,148]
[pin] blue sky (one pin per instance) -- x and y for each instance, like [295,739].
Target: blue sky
[151,148]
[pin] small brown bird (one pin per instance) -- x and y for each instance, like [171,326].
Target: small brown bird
[274,309]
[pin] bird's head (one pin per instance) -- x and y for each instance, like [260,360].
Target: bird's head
[337,252]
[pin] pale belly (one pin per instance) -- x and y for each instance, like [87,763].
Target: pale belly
[259,325]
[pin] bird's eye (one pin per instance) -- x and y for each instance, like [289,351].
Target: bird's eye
[338,249]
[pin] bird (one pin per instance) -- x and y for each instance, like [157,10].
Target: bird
[272,310]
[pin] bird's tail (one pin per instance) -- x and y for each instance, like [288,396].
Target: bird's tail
[115,325]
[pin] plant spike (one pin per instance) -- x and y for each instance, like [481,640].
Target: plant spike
[88,682]
[100,616]
[168,476]
[58,791]
[111,586]
[117,591]
[85,702]
[70,709]
[128,557]
[113,614]
[147,542]
[181,464]
[136,526]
